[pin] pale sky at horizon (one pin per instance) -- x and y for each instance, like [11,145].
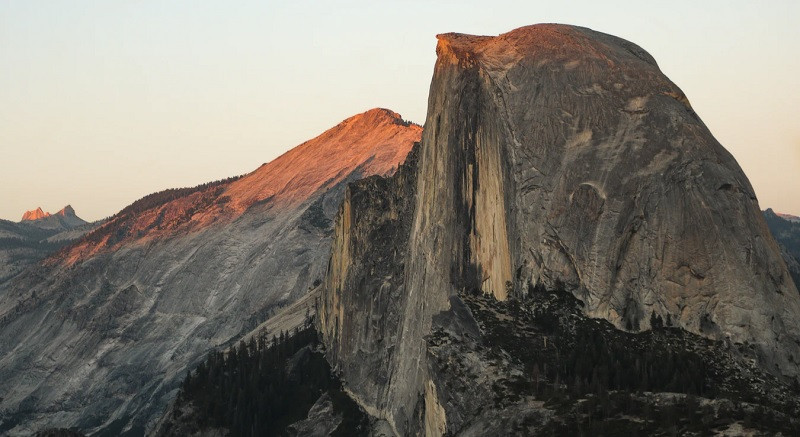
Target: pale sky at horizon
[104,102]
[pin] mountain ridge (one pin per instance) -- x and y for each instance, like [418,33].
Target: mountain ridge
[564,250]
[38,213]
[101,333]
[785,216]
[787,233]
[64,219]
[283,181]
[35,214]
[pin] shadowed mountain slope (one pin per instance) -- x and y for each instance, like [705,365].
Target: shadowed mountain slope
[786,230]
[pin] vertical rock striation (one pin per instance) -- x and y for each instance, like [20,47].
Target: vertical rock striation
[551,154]
[361,314]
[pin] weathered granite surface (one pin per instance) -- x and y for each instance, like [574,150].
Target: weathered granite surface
[99,337]
[365,300]
[551,154]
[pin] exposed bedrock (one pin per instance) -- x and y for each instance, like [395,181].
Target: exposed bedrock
[99,335]
[550,154]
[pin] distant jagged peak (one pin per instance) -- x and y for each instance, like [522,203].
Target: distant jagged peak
[64,219]
[38,213]
[35,214]
[67,211]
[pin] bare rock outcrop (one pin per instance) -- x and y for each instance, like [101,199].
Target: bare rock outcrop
[63,220]
[551,155]
[35,214]
[99,335]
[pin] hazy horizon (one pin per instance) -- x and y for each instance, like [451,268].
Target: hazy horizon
[105,103]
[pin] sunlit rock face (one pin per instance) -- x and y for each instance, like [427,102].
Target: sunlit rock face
[64,219]
[551,154]
[98,336]
[35,214]
[367,316]
[366,144]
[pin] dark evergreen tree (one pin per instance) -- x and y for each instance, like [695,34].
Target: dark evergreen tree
[260,387]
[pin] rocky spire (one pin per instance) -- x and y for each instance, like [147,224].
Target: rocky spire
[35,214]
[67,211]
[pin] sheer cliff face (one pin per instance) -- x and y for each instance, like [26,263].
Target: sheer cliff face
[362,311]
[612,184]
[99,336]
[558,154]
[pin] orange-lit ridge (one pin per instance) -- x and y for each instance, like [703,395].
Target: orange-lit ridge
[37,213]
[375,142]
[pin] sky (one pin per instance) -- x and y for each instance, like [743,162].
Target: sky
[104,102]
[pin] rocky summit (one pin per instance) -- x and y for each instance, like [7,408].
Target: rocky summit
[35,214]
[553,158]
[98,336]
[567,251]
[62,220]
